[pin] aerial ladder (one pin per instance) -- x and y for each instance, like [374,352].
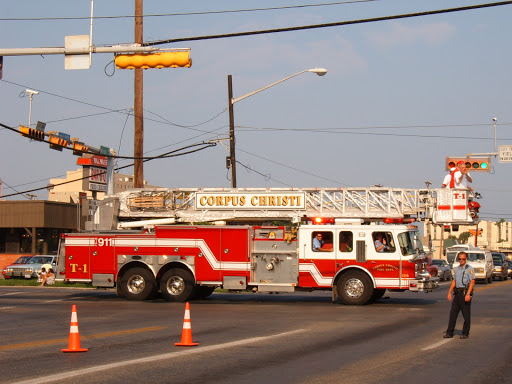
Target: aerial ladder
[147,207]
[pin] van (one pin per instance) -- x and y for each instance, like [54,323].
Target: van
[480,260]
[451,252]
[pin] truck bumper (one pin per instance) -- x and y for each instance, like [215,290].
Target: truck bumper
[421,285]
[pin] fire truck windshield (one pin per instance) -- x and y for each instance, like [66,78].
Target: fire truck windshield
[409,241]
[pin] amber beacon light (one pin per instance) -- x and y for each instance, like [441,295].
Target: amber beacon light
[153,60]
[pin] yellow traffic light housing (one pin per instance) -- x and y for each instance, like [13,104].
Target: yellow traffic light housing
[473,164]
[58,140]
[31,133]
[78,147]
[153,60]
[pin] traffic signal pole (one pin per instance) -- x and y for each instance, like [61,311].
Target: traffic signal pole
[138,148]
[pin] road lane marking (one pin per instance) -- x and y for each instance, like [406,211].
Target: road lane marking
[52,301]
[438,344]
[152,359]
[11,293]
[97,336]
[492,285]
[7,307]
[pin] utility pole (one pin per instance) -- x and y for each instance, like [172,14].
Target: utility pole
[232,159]
[138,148]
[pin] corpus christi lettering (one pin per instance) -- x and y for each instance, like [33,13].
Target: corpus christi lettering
[222,201]
[275,201]
[255,201]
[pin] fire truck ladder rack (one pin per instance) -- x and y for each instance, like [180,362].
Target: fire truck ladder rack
[183,205]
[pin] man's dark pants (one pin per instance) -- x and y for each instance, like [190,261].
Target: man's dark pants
[459,304]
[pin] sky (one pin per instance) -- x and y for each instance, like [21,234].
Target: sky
[399,95]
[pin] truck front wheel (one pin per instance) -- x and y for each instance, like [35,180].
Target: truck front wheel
[355,288]
[177,285]
[138,284]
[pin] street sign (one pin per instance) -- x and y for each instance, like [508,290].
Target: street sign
[505,154]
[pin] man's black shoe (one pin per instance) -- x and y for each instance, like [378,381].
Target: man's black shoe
[464,337]
[448,336]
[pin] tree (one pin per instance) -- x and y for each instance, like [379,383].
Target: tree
[463,237]
[499,224]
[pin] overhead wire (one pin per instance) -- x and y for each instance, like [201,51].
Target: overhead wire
[334,24]
[293,168]
[189,13]
[122,111]
[328,131]
[329,25]
[163,156]
[166,155]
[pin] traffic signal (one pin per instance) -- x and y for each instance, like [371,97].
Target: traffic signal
[153,60]
[78,147]
[58,140]
[473,164]
[475,232]
[32,133]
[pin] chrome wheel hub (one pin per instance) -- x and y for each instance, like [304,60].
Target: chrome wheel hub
[175,285]
[354,287]
[136,284]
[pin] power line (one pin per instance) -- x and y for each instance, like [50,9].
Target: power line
[162,156]
[266,176]
[373,127]
[190,13]
[293,168]
[320,130]
[121,111]
[328,25]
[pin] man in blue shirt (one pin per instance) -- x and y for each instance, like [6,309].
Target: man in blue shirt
[380,243]
[462,287]
[318,242]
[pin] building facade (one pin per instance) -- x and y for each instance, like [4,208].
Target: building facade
[491,235]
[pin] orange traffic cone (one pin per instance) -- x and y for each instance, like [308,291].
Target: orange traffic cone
[186,335]
[74,336]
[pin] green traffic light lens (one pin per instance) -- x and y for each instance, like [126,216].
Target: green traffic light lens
[476,165]
[483,165]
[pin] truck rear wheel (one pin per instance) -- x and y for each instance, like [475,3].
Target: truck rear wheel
[177,285]
[355,288]
[138,284]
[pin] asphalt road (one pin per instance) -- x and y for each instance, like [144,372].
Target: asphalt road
[253,338]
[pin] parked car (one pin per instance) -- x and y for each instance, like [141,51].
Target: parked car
[510,268]
[33,266]
[8,271]
[443,268]
[500,270]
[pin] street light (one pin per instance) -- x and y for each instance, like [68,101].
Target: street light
[231,159]
[31,93]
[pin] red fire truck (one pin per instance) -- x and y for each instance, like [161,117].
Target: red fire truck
[357,258]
